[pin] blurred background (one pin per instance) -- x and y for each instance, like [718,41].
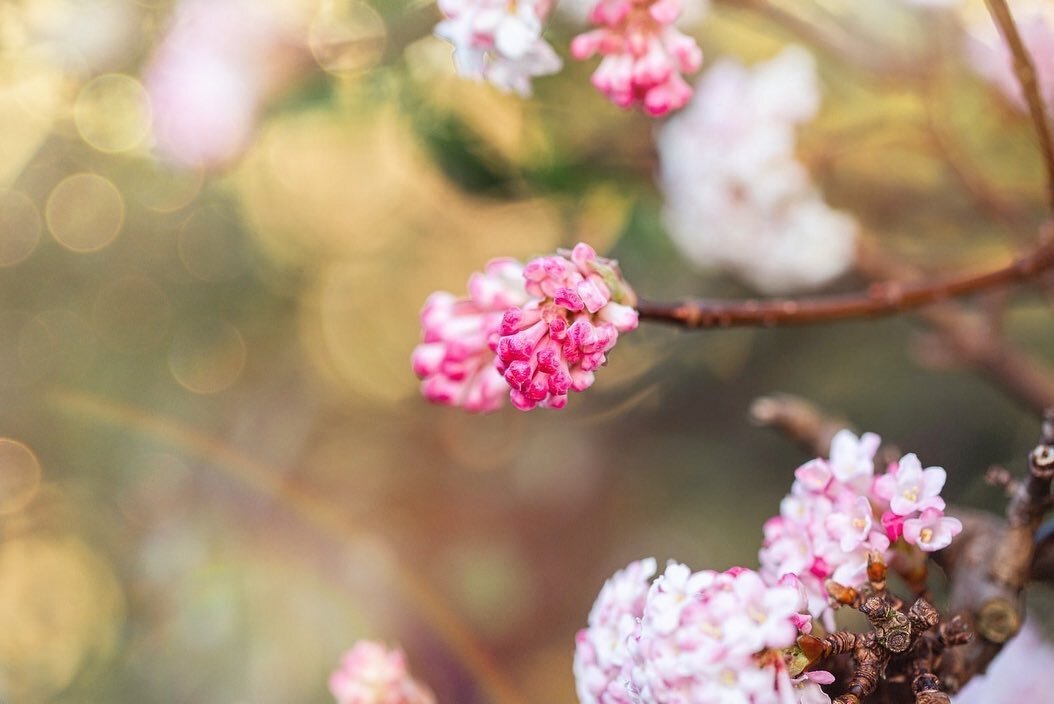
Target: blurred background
[216,472]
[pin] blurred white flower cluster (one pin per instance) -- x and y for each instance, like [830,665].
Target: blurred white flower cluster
[736,197]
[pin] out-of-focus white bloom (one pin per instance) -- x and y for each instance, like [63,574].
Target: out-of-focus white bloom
[1020,673]
[989,55]
[736,197]
[499,40]
[210,74]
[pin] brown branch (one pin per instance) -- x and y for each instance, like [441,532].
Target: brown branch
[885,298]
[801,421]
[1026,77]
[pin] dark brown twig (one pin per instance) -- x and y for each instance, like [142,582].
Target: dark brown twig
[1025,71]
[883,298]
[801,421]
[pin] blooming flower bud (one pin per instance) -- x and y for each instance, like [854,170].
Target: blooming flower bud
[644,54]
[555,342]
[542,329]
[369,673]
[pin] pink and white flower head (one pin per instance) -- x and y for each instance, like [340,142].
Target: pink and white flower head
[499,40]
[456,358]
[602,661]
[837,513]
[737,198]
[369,673]
[989,56]
[645,56]
[711,637]
[555,343]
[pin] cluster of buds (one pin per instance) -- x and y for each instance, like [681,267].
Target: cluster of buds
[369,673]
[838,514]
[644,54]
[534,332]
[556,342]
[499,40]
[694,637]
[455,360]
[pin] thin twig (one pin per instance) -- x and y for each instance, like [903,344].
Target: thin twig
[880,299]
[1025,71]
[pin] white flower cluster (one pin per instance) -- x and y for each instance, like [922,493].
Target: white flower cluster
[736,196]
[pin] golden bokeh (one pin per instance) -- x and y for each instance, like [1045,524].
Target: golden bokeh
[346,36]
[85,212]
[19,227]
[19,475]
[206,355]
[112,113]
[60,611]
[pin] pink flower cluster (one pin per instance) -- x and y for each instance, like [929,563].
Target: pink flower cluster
[701,637]
[556,342]
[838,512]
[644,54]
[455,360]
[369,673]
[499,40]
[541,329]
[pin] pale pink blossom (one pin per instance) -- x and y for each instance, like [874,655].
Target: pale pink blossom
[645,56]
[932,530]
[555,343]
[601,652]
[837,514]
[989,55]
[909,489]
[210,75]
[499,41]
[852,458]
[370,673]
[737,198]
[719,639]
[456,357]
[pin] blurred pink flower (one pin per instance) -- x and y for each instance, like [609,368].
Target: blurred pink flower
[498,40]
[455,360]
[369,673]
[210,74]
[989,55]
[555,343]
[1020,673]
[645,56]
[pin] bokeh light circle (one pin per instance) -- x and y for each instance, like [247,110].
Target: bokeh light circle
[19,227]
[112,113]
[347,36]
[85,212]
[207,355]
[19,476]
